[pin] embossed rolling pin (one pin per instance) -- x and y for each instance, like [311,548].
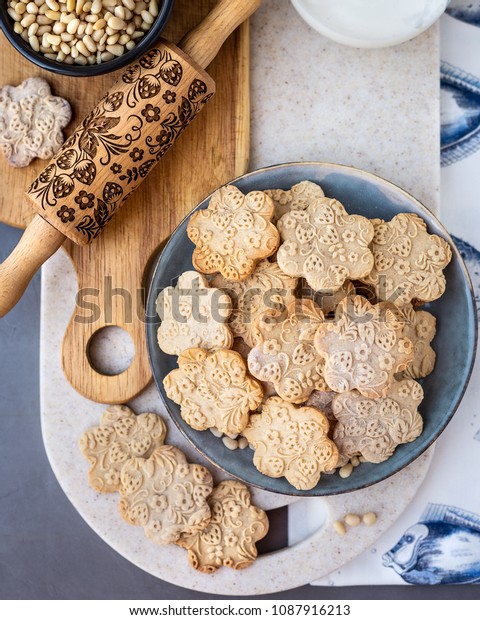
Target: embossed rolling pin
[119,142]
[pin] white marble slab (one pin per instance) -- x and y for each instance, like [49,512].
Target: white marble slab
[311,100]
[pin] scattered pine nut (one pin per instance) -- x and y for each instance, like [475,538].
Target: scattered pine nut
[352,520]
[369,518]
[339,527]
[231,444]
[214,430]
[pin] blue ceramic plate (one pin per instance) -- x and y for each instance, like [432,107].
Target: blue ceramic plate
[455,343]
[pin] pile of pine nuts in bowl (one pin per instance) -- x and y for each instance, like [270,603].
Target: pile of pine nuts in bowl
[97,36]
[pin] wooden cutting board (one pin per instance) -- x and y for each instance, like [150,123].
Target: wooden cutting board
[112,270]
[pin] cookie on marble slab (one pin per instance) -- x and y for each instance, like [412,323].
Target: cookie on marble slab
[363,346]
[229,539]
[285,354]
[31,121]
[291,441]
[374,427]
[408,261]
[193,314]
[120,436]
[233,233]
[267,287]
[213,389]
[420,328]
[325,245]
[165,494]
[300,196]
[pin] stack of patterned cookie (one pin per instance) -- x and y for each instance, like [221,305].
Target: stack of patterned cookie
[304,338]
[173,500]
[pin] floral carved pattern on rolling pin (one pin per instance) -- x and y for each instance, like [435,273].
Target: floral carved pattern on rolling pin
[136,122]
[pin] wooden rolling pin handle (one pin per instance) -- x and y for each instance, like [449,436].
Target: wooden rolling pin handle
[204,42]
[39,241]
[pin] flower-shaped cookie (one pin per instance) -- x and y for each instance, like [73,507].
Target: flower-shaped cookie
[166,495]
[374,427]
[408,260]
[31,121]
[229,539]
[233,233]
[193,315]
[291,441]
[325,245]
[267,287]
[300,196]
[120,436]
[284,353]
[213,390]
[421,329]
[363,347]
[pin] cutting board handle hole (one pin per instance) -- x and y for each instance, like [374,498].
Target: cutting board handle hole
[110,350]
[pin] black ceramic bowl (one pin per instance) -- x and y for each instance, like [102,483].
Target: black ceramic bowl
[6,23]
[455,341]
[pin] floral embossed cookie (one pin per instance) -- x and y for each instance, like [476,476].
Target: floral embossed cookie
[408,260]
[325,245]
[363,347]
[374,427]
[421,329]
[291,441]
[300,196]
[285,354]
[267,287]
[213,390]
[120,436]
[193,315]
[31,121]
[229,539]
[233,233]
[166,495]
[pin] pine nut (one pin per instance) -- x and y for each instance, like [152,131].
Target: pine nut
[83,31]
[355,461]
[51,56]
[215,432]
[116,49]
[28,20]
[106,56]
[53,15]
[369,518]
[339,527]
[242,443]
[147,17]
[34,43]
[231,444]
[352,520]
[153,8]
[73,25]
[346,470]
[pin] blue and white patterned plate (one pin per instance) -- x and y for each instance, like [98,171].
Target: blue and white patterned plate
[455,343]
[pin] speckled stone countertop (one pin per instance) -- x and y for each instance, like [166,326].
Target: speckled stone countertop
[315,100]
